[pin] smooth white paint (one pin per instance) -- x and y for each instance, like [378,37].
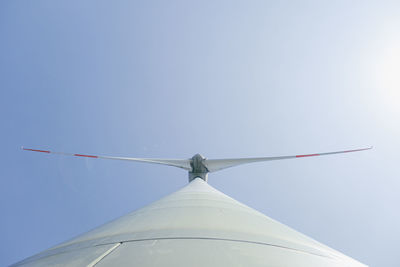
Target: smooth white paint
[195,226]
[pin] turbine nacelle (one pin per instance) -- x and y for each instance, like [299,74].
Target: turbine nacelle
[198,168]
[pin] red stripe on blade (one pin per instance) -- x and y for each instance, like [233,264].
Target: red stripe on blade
[36,150]
[87,156]
[309,155]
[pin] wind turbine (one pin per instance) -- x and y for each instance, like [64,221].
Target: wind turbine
[195,226]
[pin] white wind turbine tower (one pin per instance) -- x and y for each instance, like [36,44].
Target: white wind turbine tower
[195,226]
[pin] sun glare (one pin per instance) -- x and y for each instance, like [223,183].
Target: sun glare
[388,71]
[385,71]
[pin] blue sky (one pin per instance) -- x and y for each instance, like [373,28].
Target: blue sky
[221,78]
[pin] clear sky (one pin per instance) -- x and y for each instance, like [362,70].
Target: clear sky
[221,78]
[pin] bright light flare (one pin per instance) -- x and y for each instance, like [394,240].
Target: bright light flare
[387,68]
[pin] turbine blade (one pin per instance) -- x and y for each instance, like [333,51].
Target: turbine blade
[214,165]
[180,163]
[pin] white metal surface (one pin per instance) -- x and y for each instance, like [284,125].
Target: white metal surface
[195,226]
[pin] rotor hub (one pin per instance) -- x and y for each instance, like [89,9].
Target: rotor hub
[198,168]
